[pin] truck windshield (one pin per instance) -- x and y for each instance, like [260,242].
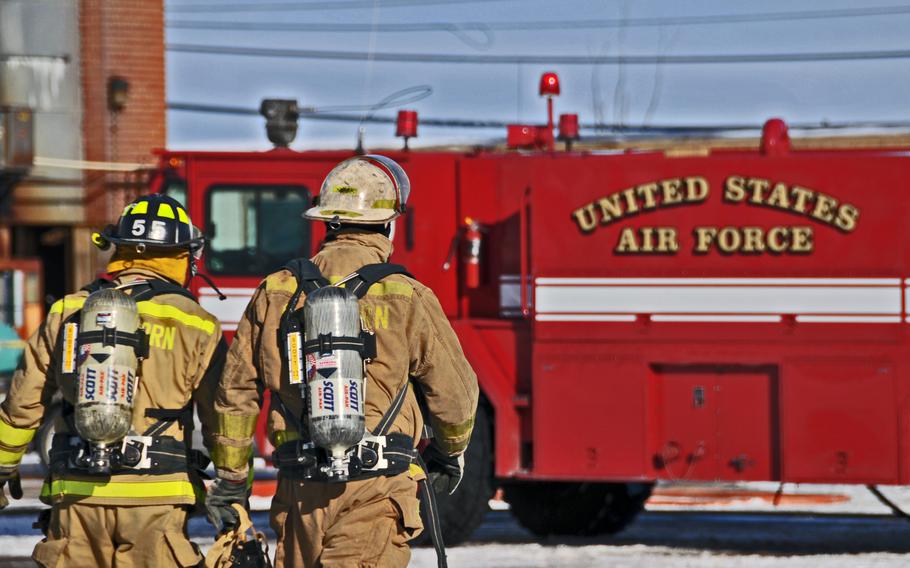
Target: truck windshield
[255,229]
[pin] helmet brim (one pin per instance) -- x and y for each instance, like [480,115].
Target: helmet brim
[370,217]
[191,244]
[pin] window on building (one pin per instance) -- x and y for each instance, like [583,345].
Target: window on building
[254,230]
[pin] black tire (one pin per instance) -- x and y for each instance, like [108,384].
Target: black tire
[461,513]
[576,509]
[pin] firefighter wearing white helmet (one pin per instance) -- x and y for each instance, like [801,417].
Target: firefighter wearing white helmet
[129,356]
[369,189]
[319,334]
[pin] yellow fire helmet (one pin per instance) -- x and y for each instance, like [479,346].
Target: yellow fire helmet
[368,189]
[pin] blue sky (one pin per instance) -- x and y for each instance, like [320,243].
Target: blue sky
[634,95]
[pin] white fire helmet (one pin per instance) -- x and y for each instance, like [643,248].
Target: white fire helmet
[368,189]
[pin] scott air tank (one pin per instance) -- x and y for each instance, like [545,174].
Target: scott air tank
[107,372]
[335,380]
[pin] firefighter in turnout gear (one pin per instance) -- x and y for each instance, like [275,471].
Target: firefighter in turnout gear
[358,508]
[130,357]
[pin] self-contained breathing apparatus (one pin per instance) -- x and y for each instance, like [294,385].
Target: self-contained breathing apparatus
[326,347]
[101,347]
[108,346]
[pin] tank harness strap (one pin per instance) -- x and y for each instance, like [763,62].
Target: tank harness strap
[148,289]
[382,428]
[96,285]
[167,416]
[160,455]
[359,281]
[308,279]
[195,459]
[109,336]
[308,276]
[365,344]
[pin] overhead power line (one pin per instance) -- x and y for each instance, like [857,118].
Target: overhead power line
[315,114]
[484,27]
[473,123]
[695,59]
[311,6]
[26,58]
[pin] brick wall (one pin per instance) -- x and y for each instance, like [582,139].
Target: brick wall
[123,38]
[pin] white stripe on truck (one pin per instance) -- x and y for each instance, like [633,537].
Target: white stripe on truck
[228,311]
[811,300]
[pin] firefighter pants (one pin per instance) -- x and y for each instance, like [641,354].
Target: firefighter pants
[362,524]
[125,537]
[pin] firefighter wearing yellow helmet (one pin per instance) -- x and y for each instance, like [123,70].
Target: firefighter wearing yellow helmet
[129,356]
[321,332]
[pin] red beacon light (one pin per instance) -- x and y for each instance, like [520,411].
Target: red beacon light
[775,138]
[406,125]
[568,129]
[549,84]
[549,87]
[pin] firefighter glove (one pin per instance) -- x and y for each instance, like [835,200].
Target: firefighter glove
[221,495]
[9,475]
[443,471]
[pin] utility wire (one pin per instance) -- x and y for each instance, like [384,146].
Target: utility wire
[695,59]
[471,123]
[485,27]
[334,116]
[462,31]
[309,6]
[30,57]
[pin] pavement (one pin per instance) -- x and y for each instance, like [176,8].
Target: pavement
[711,525]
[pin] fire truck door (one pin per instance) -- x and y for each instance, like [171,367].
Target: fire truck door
[712,425]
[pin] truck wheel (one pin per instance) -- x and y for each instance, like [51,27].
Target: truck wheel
[461,513]
[576,509]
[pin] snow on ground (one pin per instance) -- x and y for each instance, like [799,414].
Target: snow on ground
[639,556]
[710,525]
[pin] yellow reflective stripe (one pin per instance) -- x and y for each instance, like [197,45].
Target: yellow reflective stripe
[280,283]
[161,311]
[281,436]
[231,457]
[387,288]
[67,304]
[139,208]
[166,211]
[12,437]
[391,289]
[340,213]
[125,489]
[237,426]
[415,471]
[11,458]
[454,438]
[384,204]
[182,216]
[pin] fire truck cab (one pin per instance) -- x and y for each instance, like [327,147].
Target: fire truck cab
[631,316]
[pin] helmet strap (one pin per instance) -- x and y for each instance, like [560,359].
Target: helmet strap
[194,271]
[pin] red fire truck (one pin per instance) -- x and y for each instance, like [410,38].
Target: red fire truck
[631,316]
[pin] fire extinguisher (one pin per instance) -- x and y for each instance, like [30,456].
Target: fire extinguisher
[471,254]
